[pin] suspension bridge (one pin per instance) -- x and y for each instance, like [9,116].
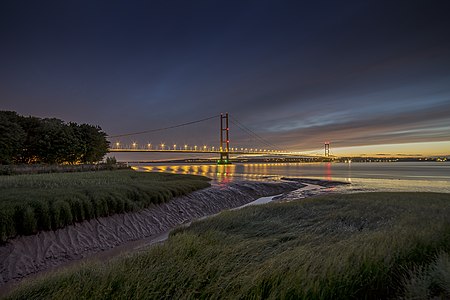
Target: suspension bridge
[223,150]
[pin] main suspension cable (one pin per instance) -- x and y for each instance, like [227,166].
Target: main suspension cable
[163,128]
[247,130]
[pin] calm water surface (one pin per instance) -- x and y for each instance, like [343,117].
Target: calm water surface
[398,176]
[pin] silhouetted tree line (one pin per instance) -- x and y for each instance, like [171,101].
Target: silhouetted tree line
[50,141]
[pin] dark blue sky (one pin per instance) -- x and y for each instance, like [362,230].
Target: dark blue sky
[297,72]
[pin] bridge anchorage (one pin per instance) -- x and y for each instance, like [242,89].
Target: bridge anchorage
[224,141]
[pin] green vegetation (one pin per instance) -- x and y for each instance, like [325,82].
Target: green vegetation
[50,141]
[371,245]
[109,164]
[29,203]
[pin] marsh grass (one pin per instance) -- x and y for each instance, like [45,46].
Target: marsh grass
[30,203]
[359,246]
[427,281]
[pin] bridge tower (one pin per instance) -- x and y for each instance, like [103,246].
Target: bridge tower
[327,149]
[224,140]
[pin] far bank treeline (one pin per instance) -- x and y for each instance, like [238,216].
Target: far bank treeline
[29,140]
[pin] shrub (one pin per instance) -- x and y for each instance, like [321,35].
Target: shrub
[111,160]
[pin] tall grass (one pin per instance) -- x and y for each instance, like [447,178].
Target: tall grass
[359,246]
[45,168]
[30,203]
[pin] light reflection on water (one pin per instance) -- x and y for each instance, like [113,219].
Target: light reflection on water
[404,176]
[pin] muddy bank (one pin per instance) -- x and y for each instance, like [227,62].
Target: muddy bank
[313,187]
[324,183]
[28,255]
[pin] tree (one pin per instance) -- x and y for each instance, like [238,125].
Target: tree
[32,127]
[94,143]
[51,141]
[12,138]
[56,143]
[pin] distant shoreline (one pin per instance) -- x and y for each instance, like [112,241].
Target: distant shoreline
[346,159]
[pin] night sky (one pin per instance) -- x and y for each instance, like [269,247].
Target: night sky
[372,77]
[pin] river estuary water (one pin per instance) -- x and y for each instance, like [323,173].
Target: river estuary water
[390,176]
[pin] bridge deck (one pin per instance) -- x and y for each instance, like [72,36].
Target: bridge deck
[201,151]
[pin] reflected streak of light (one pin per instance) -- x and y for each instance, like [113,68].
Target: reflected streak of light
[328,171]
[186,169]
[205,169]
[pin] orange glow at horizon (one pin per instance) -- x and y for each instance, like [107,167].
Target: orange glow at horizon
[407,149]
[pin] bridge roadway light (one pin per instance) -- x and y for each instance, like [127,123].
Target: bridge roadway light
[174,146]
[212,148]
[149,145]
[204,147]
[134,144]
[195,148]
[185,147]
[117,145]
[162,146]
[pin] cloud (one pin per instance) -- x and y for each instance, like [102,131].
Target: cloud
[431,124]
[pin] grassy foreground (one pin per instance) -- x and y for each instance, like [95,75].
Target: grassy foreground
[29,203]
[371,245]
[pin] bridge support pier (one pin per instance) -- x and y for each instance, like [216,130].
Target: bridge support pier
[327,149]
[224,141]
[224,159]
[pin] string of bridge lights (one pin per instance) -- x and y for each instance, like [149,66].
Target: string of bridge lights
[190,148]
[205,148]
